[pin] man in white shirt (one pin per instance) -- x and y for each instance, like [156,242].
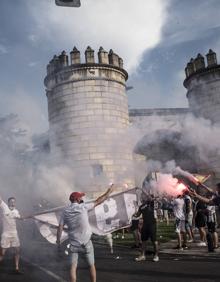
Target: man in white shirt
[75,217]
[9,237]
[179,213]
[189,215]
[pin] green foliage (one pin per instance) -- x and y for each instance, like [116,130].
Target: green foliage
[164,233]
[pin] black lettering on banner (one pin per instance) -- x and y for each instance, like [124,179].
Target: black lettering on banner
[114,213]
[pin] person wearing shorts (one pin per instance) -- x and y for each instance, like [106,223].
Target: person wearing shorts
[85,250]
[212,222]
[149,228]
[165,208]
[214,200]
[189,216]
[200,222]
[135,229]
[180,223]
[9,236]
[75,217]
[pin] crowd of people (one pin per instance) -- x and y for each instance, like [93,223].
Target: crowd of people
[190,211]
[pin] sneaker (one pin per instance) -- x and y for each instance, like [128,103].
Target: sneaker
[185,247]
[202,244]
[140,258]
[155,258]
[190,241]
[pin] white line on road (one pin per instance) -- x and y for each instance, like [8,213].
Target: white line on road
[50,273]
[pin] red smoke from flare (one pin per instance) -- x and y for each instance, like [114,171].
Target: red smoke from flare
[180,188]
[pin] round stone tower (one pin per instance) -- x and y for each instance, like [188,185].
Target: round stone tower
[203,92]
[203,86]
[88,116]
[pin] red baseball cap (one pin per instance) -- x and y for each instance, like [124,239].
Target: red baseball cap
[76,196]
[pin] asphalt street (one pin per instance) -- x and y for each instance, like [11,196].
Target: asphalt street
[42,262]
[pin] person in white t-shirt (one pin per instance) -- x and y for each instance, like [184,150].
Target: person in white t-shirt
[179,213]
[9,236]
[75,217]
[189,215]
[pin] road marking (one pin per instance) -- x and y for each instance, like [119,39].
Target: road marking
[50,273]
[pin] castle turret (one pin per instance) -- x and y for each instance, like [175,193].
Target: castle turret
[88,116]
[203,93]
[203,86]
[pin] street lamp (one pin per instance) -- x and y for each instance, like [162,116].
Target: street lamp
[68,3]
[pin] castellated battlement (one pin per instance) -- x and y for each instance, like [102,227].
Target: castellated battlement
[199,66]
[109,62]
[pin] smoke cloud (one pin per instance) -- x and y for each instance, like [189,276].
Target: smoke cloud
[29,169]
[134,24]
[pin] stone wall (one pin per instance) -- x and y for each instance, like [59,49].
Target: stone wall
[152,119]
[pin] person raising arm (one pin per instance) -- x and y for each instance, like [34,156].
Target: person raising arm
[75,217]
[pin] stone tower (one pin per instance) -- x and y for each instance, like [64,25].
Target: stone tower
[203,86]
[203,92]
[88,116]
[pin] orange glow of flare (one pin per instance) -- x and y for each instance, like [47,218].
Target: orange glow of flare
[180,187]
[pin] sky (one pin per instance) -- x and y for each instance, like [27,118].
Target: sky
[155,38]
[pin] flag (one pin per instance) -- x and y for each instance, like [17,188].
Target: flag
[68,3]
[113,214]
[202,178]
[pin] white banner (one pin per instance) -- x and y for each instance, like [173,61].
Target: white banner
[113,214]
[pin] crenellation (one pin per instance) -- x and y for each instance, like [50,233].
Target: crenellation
[75,56]
[89,55]
[103,56]
[113,58]
[211,58]
[61,62]
[190,69]
[199,62]
[63,59]
[121,63]
[198,65]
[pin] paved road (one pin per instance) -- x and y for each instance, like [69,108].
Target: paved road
[42,263]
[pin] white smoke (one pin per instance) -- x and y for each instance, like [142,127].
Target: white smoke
[202,134]
[198,133]
[27,171]
[31,114]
